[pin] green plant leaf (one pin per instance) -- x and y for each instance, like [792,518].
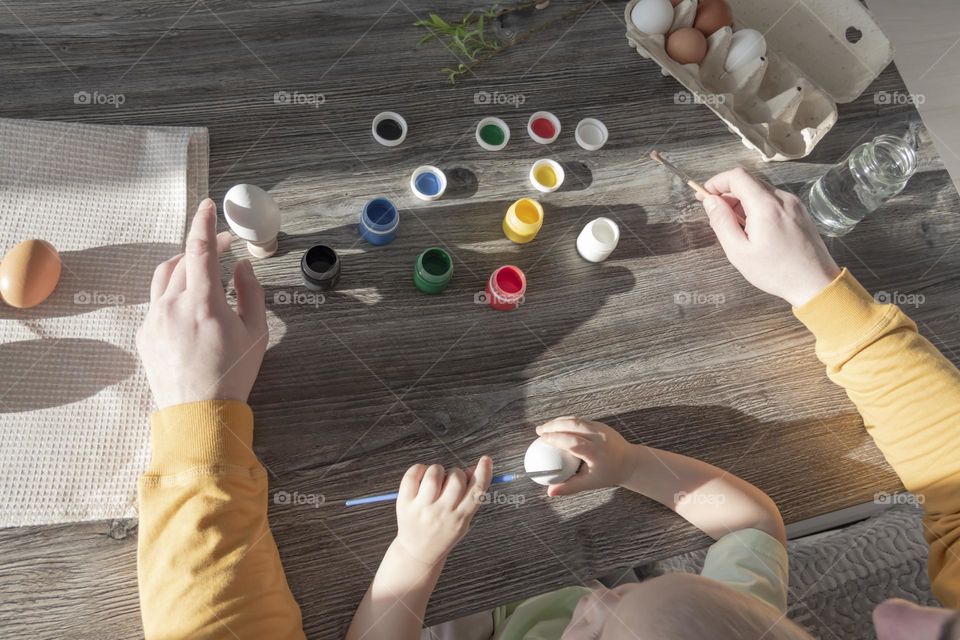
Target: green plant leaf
[440,22]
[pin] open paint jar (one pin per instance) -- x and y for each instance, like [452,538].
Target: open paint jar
[506,287]
[389,128]
[428,183]
[433,270]
[493,134]
[598,239]
[523,220]
[546,175]
[591,134]
[543,127]
[320,267]
[379,221]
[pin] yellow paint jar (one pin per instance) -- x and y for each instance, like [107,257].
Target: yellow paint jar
[523,220]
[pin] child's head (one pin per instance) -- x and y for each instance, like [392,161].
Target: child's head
[681,606]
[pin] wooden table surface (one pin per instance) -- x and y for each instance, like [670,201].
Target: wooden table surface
[664,341]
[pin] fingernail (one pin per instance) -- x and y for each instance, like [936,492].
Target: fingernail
[710,203]
[207,203]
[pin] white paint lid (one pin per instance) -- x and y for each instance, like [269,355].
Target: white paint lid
[384,117]
[591,134]
[428,170]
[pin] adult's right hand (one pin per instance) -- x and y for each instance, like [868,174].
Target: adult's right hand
[777,248]
[193,345]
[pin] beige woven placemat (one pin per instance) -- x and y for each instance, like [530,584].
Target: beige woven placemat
[74,401]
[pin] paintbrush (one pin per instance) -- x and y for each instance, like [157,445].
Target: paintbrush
[391,497]
[680,173]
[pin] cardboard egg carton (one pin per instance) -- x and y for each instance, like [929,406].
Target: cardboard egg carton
[819,53]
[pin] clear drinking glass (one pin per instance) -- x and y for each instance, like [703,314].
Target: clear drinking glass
[873,173]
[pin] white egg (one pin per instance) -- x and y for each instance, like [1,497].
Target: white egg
[545,464]
[746,45]
[653,17]
[254,216]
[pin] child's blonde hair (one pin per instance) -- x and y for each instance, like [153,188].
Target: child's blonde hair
[684,606]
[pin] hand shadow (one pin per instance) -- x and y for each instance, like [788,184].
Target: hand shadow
[39,374]
[66,370]
[106,276]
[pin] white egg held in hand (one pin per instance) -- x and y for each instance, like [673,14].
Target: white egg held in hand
[746,45]
[653,17]
[546,464]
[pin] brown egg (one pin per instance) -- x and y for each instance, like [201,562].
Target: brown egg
[713,15]
[687,45]
[29,273]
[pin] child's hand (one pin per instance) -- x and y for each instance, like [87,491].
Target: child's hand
[778,250]
[434,509]
[605,454]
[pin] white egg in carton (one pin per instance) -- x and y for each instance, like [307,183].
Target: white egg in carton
[783,102]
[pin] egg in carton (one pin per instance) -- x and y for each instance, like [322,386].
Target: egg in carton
[794,63]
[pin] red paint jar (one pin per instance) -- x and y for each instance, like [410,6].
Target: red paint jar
[506,288]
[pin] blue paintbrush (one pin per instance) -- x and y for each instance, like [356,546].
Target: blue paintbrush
[390,497]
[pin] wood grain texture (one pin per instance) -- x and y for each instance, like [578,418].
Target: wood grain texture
[379,376]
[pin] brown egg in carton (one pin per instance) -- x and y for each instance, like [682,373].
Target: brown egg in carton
[774,103]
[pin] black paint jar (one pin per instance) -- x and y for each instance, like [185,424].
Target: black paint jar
[320,266]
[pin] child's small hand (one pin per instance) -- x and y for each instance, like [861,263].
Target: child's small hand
[434,509]
[605,454]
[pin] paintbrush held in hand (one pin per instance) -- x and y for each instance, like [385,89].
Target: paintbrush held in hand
[680,173]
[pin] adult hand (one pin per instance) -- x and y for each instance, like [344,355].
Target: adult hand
[434,509]
[605,454]
[192,344]
[768,236]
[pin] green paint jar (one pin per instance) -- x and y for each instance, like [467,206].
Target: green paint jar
[433,270]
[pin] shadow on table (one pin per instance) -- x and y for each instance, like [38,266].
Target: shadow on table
[523,543]
[49,372]
[378,376]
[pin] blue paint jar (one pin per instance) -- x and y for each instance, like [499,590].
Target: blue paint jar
[379,221]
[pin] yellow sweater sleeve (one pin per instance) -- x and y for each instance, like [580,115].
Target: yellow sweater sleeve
[909,397]
[207,564]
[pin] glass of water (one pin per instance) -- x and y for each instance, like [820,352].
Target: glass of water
[873,173]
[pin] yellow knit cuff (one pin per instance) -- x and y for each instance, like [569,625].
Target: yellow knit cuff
[843,316]
[201,434]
